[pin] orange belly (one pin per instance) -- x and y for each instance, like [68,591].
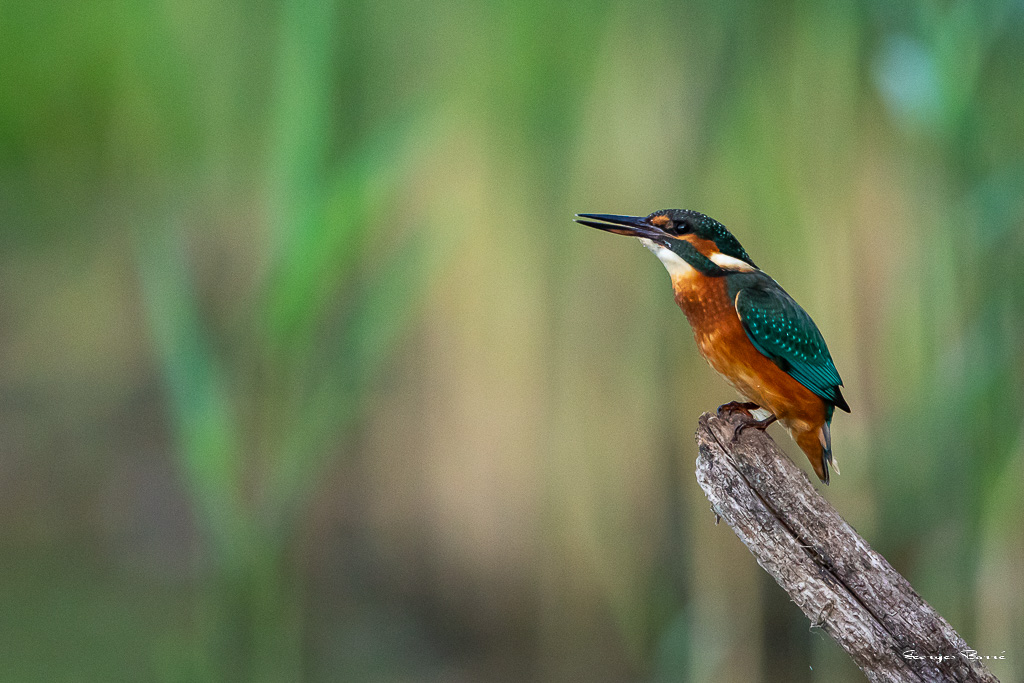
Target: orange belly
[723,342]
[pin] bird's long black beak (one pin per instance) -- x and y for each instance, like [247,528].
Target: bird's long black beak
[631,226]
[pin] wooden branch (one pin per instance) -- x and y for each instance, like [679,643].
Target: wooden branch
[844,587]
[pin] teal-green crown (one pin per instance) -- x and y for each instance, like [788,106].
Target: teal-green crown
[688,222]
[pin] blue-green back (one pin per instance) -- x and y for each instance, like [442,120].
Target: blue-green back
[783,331]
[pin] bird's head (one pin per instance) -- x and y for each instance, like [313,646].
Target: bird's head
[674,234]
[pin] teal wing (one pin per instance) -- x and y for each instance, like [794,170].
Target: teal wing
[783,332]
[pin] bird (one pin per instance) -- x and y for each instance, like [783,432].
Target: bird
[747,327]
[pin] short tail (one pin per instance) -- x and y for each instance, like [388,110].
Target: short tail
[817,446]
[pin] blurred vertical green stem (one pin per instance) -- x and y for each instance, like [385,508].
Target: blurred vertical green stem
[255,429]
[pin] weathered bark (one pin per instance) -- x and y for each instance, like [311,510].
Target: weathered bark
[844,587]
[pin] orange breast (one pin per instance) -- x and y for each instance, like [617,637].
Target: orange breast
[725,345]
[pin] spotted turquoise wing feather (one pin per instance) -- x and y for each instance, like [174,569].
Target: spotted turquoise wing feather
[780,329]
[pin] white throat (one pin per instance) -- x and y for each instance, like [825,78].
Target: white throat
[674,264]
[678,267]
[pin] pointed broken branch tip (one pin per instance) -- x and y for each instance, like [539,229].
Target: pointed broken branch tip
[843,586]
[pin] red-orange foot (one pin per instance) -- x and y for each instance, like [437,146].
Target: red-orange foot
[732,407]
[748,420]
[756,424]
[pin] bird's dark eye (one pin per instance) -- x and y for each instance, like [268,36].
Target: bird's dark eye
[665,220]
[679,227]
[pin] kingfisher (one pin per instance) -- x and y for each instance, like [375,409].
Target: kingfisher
[747,327]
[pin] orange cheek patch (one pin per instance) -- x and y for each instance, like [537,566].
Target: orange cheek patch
[705,247]
[660,221]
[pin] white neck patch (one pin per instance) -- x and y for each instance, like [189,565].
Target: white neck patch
[678,267]
[731,263]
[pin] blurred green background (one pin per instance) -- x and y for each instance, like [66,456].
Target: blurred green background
[308,375]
